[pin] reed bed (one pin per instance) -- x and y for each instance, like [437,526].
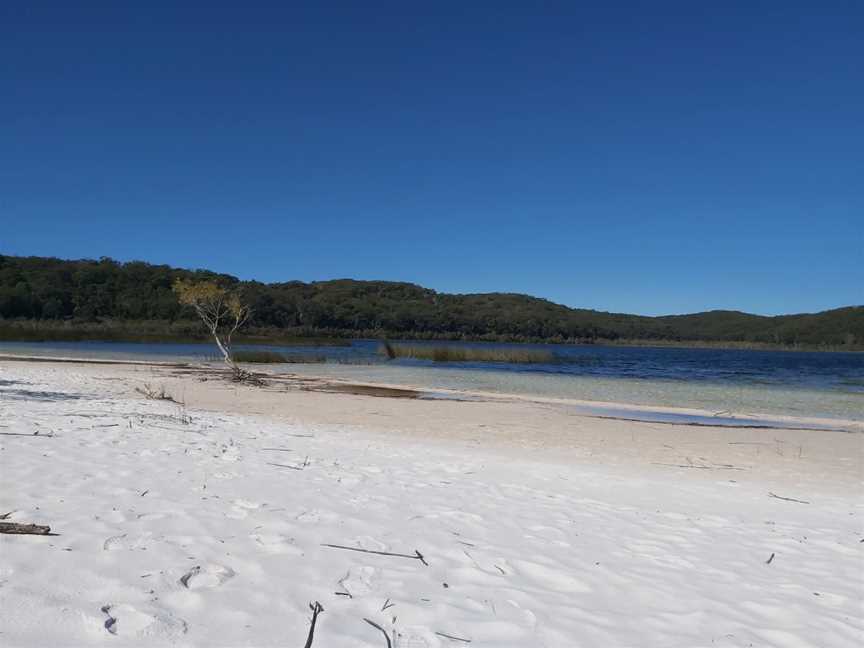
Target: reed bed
[273,357]
[451,353]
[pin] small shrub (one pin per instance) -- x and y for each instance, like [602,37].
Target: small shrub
[152,393]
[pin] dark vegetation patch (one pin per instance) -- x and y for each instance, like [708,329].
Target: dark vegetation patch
[368,390]
[273,357]
[450,353]
[52,299]
[38,395]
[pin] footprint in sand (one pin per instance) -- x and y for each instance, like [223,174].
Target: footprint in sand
[418,637]
[241,509]
[126,620]
[315,516]
[276,543]
[237,513]
[511,610]
[548,534]
[206,576]
[230,453]
[125,542]
[358,581]
[550,578]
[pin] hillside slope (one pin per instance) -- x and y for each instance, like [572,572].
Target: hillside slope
[82,292]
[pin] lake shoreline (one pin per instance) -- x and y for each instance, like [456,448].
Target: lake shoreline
[623,411]
[216,517]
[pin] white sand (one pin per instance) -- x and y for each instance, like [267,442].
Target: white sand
[548,529]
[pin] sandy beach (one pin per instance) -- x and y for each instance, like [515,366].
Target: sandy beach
[500,521]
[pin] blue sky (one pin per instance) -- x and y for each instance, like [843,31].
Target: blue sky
[658,157]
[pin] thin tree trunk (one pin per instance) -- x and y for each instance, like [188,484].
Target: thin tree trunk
[225,353]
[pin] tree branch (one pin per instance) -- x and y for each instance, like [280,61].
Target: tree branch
[383,631]
[317,609]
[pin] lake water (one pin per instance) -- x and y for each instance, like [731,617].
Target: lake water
[810,384]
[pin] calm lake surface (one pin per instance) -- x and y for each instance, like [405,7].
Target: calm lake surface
[811,384]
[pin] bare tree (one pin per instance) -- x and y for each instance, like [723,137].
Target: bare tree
[221,311]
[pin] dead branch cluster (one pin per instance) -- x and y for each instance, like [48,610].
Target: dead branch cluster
[150,392]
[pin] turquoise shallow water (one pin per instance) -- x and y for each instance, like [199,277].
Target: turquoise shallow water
[829,385]
[714,397]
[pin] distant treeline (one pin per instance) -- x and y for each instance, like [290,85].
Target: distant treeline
[47,298]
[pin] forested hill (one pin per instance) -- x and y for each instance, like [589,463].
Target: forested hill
[41,296]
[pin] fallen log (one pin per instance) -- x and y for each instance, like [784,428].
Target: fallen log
[25,529]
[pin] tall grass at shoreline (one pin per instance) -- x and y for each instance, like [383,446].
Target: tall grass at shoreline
[272,357]
[451,353]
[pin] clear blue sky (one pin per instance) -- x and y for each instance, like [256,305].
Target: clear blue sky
[649,157]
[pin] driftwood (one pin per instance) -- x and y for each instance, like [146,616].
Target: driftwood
[787,499]
[770,559]
[34,434]
[317,609]
[383,631]
[25,529]
[416,556]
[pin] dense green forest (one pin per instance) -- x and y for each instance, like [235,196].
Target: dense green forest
[47,298]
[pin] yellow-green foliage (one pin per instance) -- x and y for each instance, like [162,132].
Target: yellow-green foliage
[191,293]
[209,297]
[451,353]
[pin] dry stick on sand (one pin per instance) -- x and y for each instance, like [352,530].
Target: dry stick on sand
[317,609]
[770,559]
[341,583]
[35,434]
[383,631]
[451,637]
[25,529]
[699,466]
[417,555]
[786,499]
[285,466]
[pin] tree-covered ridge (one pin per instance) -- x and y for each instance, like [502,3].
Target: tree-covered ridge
[48,289]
